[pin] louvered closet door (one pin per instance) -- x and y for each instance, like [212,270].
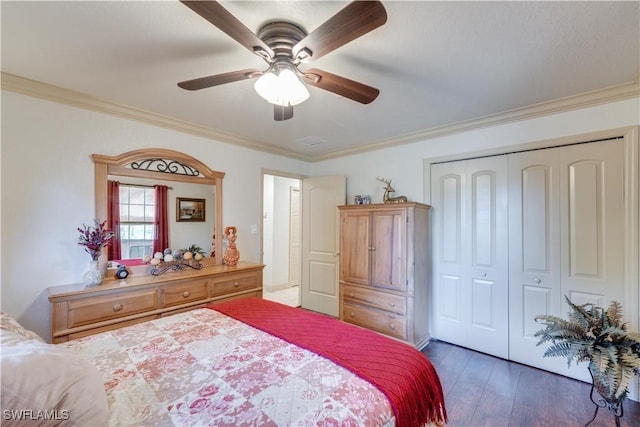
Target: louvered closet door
[566,227]
[470,254]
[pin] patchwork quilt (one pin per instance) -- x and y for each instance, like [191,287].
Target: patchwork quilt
[204,368]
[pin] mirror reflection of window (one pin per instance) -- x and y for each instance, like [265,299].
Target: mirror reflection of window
[137,214]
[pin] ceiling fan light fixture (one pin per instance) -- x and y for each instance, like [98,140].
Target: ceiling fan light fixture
[283,88]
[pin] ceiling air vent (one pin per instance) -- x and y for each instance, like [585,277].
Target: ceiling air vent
[311,141]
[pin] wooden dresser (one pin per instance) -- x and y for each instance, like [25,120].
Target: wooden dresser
[385,270]
[77,311]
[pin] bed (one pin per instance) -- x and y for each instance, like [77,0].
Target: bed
[246,362]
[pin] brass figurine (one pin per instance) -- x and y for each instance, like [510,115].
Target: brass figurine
[389,189]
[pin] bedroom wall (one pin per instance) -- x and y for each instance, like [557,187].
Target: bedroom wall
[47,184]
[404,163]
[47,180]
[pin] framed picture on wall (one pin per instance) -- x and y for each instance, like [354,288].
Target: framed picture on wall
[190,210]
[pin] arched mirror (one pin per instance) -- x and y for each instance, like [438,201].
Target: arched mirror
[194,197]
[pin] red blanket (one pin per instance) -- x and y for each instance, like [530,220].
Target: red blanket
[398,370]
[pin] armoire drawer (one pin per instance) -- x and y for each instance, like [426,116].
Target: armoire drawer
[234,283]
[184,292]
[100,308]
[376,299]
[381,321]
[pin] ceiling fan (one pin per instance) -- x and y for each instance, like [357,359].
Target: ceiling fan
[285,45]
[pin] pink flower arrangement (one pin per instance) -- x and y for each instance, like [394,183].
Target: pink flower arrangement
[94,238]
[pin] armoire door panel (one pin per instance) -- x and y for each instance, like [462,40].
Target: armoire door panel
[389,249]
[354,257]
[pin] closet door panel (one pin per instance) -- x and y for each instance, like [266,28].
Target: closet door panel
[487,290]
[534,258]
[449,257]
[592,245]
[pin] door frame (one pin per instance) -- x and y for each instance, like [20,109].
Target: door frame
[629,135]
[273,172]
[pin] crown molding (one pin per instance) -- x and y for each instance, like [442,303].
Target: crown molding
[569,103]
[60,95]
[65,96]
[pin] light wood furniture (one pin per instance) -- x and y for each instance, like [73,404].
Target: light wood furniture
[384,269]
[77,311]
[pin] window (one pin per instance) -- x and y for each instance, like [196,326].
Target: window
[137,214]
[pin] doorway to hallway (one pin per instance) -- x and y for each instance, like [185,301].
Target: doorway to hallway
[281,250]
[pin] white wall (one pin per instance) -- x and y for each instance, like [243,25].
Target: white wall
[47,180]
[404,164]
[48,191]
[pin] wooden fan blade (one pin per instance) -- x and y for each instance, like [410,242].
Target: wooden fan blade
[219,79]
[355,20]
[213,12]
[281,113]
[340,85]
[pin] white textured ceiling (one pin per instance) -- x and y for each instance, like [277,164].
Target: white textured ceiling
[435,63]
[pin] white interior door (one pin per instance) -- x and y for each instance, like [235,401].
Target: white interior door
[566,239]
[448,181]
[470,248]
[534,255]
[487,251]
[321,242]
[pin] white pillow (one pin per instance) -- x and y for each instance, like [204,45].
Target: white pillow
[41,381]
[8,323]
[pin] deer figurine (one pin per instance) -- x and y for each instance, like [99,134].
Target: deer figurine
[389,189]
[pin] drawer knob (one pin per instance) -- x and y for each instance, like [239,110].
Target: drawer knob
[117,307]
[186,294]
[392,326]
[391,304]
[352,295]
[353,315]
[537,280]
[236,284]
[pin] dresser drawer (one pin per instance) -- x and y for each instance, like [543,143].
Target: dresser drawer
[387,323]
[97,309]
[381,300]
[183,292]
[107,328]
[234,283]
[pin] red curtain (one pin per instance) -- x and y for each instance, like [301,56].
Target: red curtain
[113,220]
[161,219]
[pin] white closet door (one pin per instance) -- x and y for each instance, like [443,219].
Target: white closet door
[487,293]
[470,254]
[566,238]
[534,252]
[448,181]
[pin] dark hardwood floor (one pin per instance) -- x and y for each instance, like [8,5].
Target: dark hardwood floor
[482,390]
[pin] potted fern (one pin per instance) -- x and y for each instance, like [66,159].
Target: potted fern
[600,337]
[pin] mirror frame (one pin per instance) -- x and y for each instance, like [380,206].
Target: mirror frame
[117,166]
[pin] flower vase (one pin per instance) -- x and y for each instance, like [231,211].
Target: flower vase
[93,277]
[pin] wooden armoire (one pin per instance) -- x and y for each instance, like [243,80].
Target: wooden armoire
[384,269]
